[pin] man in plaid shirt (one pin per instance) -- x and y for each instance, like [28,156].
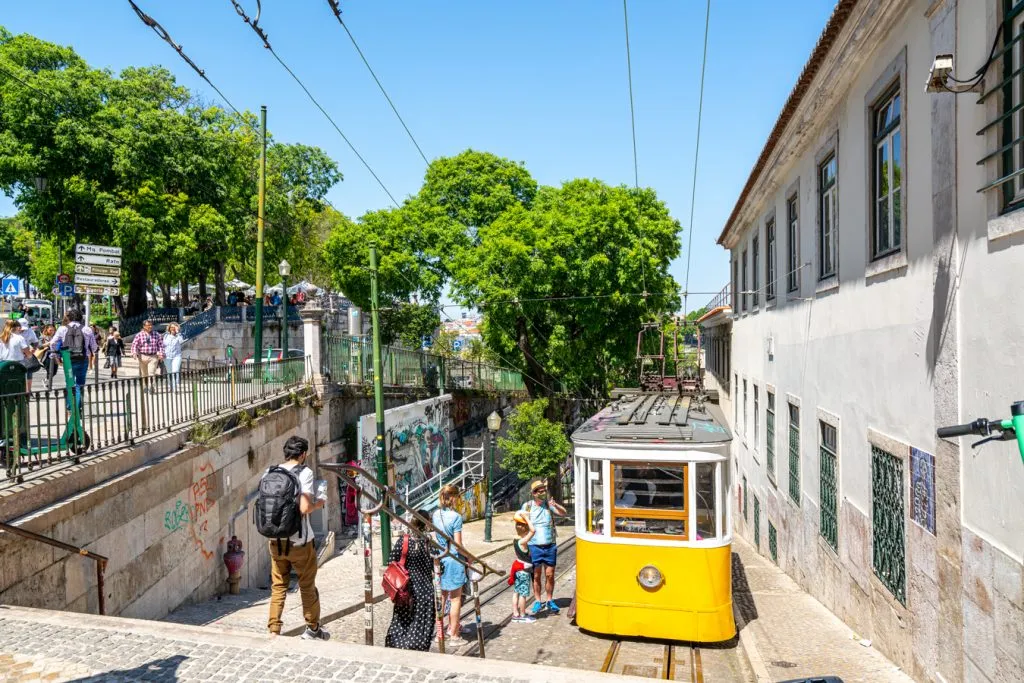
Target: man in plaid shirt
[148,348]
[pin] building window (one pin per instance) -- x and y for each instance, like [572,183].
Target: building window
[887,539]
[1011,120]
[887,178]
[793,237]
[757,523]
[829,517]
[745,421]
[827,215]
[753,266]
[743,292]
[735,282]
[773,542]
[757,419]
[794,453]
[736,404]
[769,269]
[746,495]
[769,425]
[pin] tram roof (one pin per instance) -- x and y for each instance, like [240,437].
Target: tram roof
[655,418]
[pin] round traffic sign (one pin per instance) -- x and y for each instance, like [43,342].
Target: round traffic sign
[63,278]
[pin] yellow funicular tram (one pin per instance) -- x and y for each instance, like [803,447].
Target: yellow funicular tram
[653,519]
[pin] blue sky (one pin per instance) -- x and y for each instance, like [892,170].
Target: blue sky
[539,82]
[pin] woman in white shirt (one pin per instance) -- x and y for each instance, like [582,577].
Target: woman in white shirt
[13,346]
[173,342]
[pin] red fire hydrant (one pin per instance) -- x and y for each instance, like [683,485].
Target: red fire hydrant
[233,559]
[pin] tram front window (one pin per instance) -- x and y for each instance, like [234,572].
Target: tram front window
[650,499]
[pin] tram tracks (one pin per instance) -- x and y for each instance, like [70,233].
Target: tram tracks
[643,660]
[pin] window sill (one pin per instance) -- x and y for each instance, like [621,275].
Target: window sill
[771,304]
[886,264]
[1008,224]
[829,284]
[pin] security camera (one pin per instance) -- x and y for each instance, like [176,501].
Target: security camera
[941,69]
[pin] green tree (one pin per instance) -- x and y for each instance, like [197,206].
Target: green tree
[534,446]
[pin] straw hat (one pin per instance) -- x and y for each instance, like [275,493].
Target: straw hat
[538,485]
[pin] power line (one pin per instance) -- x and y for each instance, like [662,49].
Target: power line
[636,171]
[696,155]
[254,25]
[337,13]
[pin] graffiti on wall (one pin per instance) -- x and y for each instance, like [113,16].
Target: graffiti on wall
[473,502]
[193,514]
[417,438]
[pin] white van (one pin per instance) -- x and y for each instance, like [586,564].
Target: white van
[40,311]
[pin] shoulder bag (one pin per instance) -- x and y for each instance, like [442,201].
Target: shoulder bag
[396,577]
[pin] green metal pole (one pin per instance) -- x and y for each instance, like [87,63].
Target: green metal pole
[489,512]
[378,402]
[258,334]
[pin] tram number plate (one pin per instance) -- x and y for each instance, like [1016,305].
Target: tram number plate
[640,670]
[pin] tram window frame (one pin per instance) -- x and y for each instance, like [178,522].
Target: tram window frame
[593,516]
[681,515]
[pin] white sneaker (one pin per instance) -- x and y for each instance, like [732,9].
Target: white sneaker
[319,634]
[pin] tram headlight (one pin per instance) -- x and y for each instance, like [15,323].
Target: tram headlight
[649,577]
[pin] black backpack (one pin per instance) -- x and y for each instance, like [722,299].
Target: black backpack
[277,505]
[74,342]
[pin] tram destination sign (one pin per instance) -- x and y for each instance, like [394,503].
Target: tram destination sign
[86,269]
[97,250]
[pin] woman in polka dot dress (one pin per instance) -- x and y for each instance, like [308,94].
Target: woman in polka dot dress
[412,623]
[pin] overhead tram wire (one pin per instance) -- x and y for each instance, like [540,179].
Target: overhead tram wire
[337,13]
[636,166]
[254,25]
[696,156]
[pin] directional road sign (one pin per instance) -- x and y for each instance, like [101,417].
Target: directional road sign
[63,279]
[10,286]
[98,260]
[94,289]
[97,250]
[97,280]
[65,290]
[85,269]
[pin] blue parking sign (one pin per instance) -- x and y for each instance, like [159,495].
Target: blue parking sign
[67,289]
[10,286]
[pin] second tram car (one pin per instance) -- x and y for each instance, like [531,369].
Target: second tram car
[653,519]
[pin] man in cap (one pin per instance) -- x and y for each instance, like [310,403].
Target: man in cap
[543,546]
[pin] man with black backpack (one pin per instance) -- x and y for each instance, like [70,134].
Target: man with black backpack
[285,500]
[80,343]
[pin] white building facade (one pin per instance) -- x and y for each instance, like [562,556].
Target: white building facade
[877,256]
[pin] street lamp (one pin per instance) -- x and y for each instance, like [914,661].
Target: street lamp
[285,269]
[493,424]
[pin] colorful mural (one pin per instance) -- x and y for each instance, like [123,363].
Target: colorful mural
[417,437]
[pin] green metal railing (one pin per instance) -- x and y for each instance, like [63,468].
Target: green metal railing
[773,542]
[57,428]
[769,426]
[757,523]
[829,506]
[794,453]
[888,548]
[350,361]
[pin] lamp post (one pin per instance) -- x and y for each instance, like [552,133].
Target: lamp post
[285,269]
[493,424]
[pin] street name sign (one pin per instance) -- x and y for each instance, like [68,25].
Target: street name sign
[98,260]
[97,280]
[85,269]
[94,289]
[97,250]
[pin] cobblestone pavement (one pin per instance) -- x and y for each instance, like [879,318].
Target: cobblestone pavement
[40,645]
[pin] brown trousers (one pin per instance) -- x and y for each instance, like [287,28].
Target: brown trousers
[303,559]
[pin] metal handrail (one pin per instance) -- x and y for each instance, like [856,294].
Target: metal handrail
[469,468]
[100,560]
[351,475]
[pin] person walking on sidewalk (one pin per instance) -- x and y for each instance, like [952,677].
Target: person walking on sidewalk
[81,345]
[115,352]
[148,349]
[286,493]
[453,574]
[543,545]
[173,342]
[48,357]
[412,622]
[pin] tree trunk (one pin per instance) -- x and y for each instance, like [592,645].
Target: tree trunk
[119,306]
[534,377]
[152,294]
[202,287]
[219,297]
[165,290]
[184,293]
[137,274]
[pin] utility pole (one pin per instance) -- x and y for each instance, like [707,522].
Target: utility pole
[258,334]
[378,402]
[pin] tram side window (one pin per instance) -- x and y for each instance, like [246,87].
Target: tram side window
[705,500]
[650,499]
[595,496]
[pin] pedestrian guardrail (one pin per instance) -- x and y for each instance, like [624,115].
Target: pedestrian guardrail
[198,324]
[133,324]
[60,427]
[350,361]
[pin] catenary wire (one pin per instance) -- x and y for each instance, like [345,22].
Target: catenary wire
[636,171]
[337,13]
[696,156]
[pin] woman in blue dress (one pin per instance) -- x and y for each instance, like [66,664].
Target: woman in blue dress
[453,574]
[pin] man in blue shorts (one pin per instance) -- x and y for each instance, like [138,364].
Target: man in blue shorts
[543,546]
